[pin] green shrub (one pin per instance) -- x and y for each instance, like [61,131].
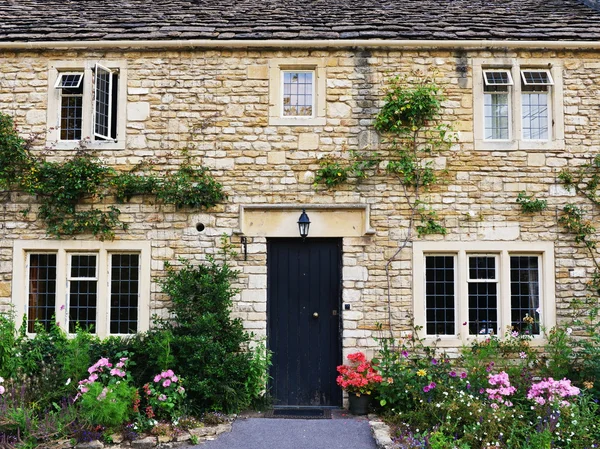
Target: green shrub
[209,347]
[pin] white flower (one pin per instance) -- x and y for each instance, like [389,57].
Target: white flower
[569,331]
[68,381]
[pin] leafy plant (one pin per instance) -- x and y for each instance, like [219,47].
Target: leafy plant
[165,394]
[209,347]
[530,204]
[107,396]
[69,189]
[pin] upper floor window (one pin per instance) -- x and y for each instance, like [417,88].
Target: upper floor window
[87,102]
[517,105]
[99,287]
[297,92]
[467,290]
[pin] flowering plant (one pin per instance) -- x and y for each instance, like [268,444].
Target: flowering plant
[360,377]
[164,395]
[1,387]
[552,391]
[107,398]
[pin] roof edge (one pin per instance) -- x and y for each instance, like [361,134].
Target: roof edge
[318,43]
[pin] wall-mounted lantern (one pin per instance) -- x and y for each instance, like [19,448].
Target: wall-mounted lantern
[303,224]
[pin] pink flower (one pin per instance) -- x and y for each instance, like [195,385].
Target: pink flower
[166,383]
[162,398]
[93,377]
[452,373]
[117,372]
[463,375]
[405,354]
[170,373]
[174,378]
[515,334]
[84,389]
[157,378]
[523,355]
[164,374]
[2,390]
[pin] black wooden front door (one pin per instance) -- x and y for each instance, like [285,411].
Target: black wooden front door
[304,320]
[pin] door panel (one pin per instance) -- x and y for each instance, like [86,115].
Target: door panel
[304,281]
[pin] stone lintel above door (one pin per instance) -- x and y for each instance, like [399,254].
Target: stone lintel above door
[327,220]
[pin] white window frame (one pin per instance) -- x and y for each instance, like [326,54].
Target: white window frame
[515,66]
[63,251]
[503,251]
[88,68]
[277,67]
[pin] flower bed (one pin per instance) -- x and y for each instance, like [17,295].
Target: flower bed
[500,394]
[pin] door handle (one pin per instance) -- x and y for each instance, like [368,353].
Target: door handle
[315,315]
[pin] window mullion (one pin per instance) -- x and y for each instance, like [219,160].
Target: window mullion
[504,293]
[461,293]
[62,291]
[103,294]
[516,103]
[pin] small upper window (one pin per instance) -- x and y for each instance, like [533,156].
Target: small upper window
[298,94]
[537,77]
[497,78]
[87,102]
[518,104]
[69,81]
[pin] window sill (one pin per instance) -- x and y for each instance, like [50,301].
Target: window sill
[315,121]
[75,144]
[515,145]
[447,341]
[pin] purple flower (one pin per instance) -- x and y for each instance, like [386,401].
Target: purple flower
[452,374]
[432,385]
[426,388]
[463,375]
[434,362]
[404,354]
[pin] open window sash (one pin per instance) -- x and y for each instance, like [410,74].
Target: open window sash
[103,99]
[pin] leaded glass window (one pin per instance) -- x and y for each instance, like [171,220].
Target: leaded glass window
[439,295]
[42,290]
[124,293]
[82,290]
[298,93]
[483,295]
[525,294]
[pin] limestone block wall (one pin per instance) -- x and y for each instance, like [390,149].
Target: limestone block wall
[215,105]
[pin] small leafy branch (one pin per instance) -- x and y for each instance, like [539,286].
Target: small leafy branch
[68,189]
[335,171]
[529,204]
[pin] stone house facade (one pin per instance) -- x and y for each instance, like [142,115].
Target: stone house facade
[523,108]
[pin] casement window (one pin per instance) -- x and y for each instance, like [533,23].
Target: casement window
[297,92]
[468,290]
[98,287]
[518,105]
[87,103]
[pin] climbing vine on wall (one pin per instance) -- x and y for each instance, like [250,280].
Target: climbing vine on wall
[410,123]
[69,190]
[413,133]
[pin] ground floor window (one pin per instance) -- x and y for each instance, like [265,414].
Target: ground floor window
[98,287]
[466,290]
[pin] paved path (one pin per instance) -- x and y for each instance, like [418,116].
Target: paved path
[269,433]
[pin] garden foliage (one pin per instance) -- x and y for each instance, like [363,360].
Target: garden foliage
[500,393]
[55,386]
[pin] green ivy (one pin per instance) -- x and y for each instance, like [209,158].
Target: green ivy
[68,190]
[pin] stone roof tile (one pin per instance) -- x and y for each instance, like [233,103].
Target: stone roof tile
[55,20]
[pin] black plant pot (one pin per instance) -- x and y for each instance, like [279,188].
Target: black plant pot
[359,404]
